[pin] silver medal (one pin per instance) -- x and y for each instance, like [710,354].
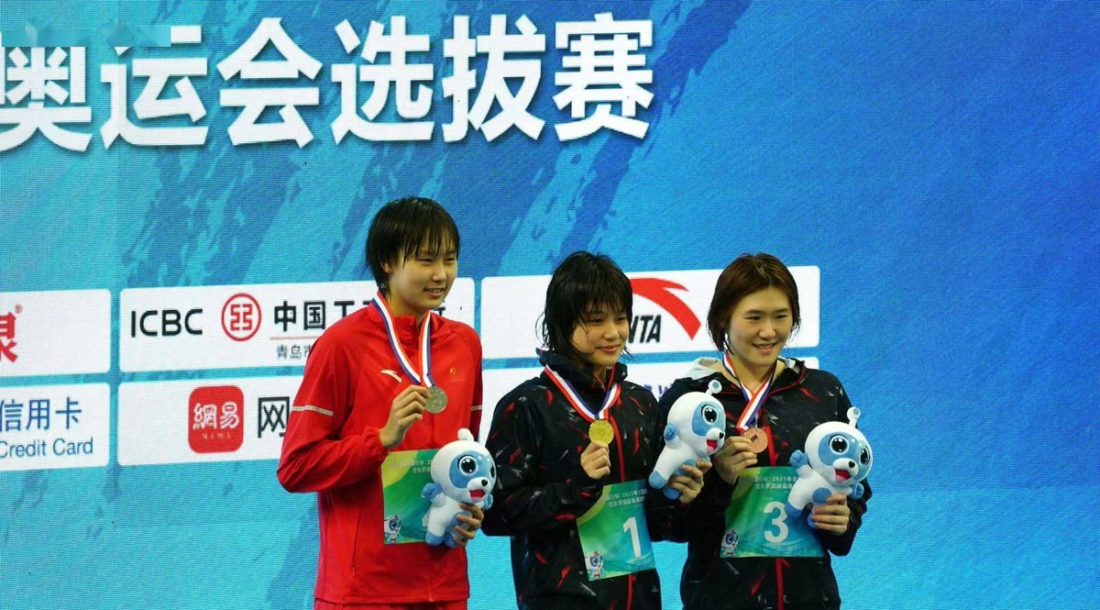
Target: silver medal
[437,400]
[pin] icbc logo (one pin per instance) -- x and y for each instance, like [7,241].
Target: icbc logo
[215,419]
[166,322]
[241,317]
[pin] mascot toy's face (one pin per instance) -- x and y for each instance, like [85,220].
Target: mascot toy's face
[464,470]
[700,421]
[840,453]
[474,473]
[709,423]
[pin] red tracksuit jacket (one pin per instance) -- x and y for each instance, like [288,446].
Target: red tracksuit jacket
[332,448]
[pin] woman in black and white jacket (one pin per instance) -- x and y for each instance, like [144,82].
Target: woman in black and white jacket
[752,314]
[553,467]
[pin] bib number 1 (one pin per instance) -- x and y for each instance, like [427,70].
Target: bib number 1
[630,526]
[614,534]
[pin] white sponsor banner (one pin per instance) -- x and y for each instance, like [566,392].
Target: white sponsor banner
[259,325]
[203,420]
[46,427]
[64,332]
[670,312]
[657,378]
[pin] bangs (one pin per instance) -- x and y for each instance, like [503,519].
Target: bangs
[433,239]
[610,298]
[599,286]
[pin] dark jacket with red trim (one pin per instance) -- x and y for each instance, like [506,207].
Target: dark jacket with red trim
[536,439]
[799,400]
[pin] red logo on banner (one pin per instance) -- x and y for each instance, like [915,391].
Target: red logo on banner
[215,417]
[659,291]
[241,317]
[7,335]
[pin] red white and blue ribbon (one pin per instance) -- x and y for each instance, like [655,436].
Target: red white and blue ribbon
[407,364]
[754,400]
[577,402]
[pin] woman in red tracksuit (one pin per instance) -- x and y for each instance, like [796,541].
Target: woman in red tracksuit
[357,403]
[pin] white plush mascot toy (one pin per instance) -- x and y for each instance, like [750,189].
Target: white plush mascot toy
[837,458]
[696,428]
[462,471]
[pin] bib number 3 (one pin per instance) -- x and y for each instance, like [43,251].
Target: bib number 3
[779,522]
[757,522]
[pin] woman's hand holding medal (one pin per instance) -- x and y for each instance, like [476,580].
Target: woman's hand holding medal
[407,409]
[596,461]
[732,459]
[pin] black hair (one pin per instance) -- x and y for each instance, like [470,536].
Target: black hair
[581,283]
[399,230]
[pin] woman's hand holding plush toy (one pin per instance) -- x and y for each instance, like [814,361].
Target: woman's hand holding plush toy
[468,525]
[833,515]
[689,486]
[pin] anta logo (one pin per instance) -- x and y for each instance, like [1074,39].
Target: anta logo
[391,374]
[647,328]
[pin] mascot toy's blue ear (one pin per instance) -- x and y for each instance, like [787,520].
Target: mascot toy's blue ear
[696,428]
[837,459]
[462,472]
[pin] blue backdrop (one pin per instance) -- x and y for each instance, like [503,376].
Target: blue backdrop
[939,162]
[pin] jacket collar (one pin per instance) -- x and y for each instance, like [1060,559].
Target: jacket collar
[704,368]
[408,331]
[582,380]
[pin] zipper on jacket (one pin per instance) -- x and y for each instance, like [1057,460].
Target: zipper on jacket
[622,477]
[618,446]
[772,457]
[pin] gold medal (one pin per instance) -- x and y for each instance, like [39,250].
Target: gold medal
[758,440]
[601,432]
[437,400]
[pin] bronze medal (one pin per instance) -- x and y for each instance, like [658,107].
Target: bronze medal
[758,440]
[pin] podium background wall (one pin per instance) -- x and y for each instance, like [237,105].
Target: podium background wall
[938,164]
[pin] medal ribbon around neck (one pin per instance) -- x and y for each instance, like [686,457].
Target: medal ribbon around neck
[407,364]
[577,402]
[753,401]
